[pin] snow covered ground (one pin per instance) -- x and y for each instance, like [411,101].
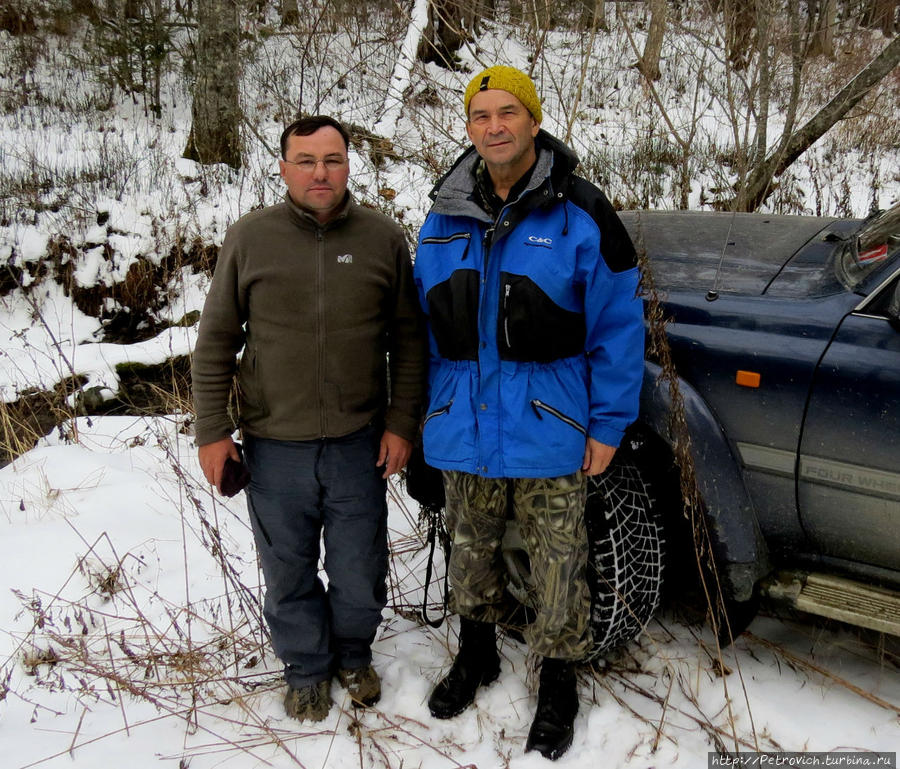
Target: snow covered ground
[129,623]
[105,190]
[131,637]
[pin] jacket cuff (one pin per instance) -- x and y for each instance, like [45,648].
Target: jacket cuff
[212,429]
[401,424]
[606,434]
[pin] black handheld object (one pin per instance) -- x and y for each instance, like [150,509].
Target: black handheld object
[424,483]
[235,475]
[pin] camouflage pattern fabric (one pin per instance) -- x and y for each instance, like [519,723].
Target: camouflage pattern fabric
[550,513]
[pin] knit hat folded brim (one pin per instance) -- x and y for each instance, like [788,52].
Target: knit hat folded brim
[509,79]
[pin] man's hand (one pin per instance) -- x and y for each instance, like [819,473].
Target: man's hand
[394,453]
[597,457]
[212,459]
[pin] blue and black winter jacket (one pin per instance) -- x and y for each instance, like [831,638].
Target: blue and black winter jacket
[535,326]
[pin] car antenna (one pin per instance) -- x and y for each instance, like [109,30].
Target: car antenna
[713,293]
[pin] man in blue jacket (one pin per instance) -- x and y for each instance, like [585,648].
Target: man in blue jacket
[529,282]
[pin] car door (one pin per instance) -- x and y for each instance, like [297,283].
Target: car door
[849,463]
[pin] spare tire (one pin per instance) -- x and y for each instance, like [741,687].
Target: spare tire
[625,556]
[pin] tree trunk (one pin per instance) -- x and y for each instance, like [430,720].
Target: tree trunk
[216,112]
[649,62]
[889,18]
[593,15]
[882,15]
[402,76]
[290,13]
[821,42]
[759,184]
[542,16]
[87,9]
[447,31]
[764,93]
[484,9]
[586,56]
[738,31]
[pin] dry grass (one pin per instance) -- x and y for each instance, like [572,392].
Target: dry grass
[208,663]
[107,641]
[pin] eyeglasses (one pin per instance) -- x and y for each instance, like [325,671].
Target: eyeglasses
[308,165]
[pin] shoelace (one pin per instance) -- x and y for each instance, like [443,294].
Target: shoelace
[308,695]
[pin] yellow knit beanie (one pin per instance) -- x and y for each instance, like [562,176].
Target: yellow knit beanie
[506,79]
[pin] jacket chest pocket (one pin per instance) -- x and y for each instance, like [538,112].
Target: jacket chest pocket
[532,327]
[459,240]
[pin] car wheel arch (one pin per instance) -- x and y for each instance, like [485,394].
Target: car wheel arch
[736,539]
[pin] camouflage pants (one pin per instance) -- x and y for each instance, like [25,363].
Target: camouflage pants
[550,513]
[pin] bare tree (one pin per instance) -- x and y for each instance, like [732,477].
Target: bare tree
[290,13]
[794,144]
[484,9]
[649,61]
[593,14]
[684,138]
[739,23]
[764,96]
[883,15]
[586,56]
[542,14]
[216,112]
[84,7]
[823,18]
[446,32]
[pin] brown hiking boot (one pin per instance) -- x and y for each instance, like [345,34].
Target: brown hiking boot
[362,684]
[308,703]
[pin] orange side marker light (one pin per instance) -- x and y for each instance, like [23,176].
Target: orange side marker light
[747,378]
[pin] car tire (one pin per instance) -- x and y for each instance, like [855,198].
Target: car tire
[626,556]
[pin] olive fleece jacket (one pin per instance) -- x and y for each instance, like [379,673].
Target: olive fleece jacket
[328,321]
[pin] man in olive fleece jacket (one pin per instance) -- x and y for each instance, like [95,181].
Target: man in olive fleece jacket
[317,292]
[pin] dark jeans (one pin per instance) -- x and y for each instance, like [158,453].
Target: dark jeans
[301,491]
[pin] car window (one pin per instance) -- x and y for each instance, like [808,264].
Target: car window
[886,303]
[877,242]
[893,305]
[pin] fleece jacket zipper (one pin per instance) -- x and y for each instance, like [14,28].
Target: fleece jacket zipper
[320,329]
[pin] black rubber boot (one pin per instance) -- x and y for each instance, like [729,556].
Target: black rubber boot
[477,664]
[554,722]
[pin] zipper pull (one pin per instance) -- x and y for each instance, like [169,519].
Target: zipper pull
[506,290]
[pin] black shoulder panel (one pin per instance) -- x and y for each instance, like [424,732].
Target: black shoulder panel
[615,243]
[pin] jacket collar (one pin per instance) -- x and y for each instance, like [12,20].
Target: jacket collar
[308,220]
[454,192]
